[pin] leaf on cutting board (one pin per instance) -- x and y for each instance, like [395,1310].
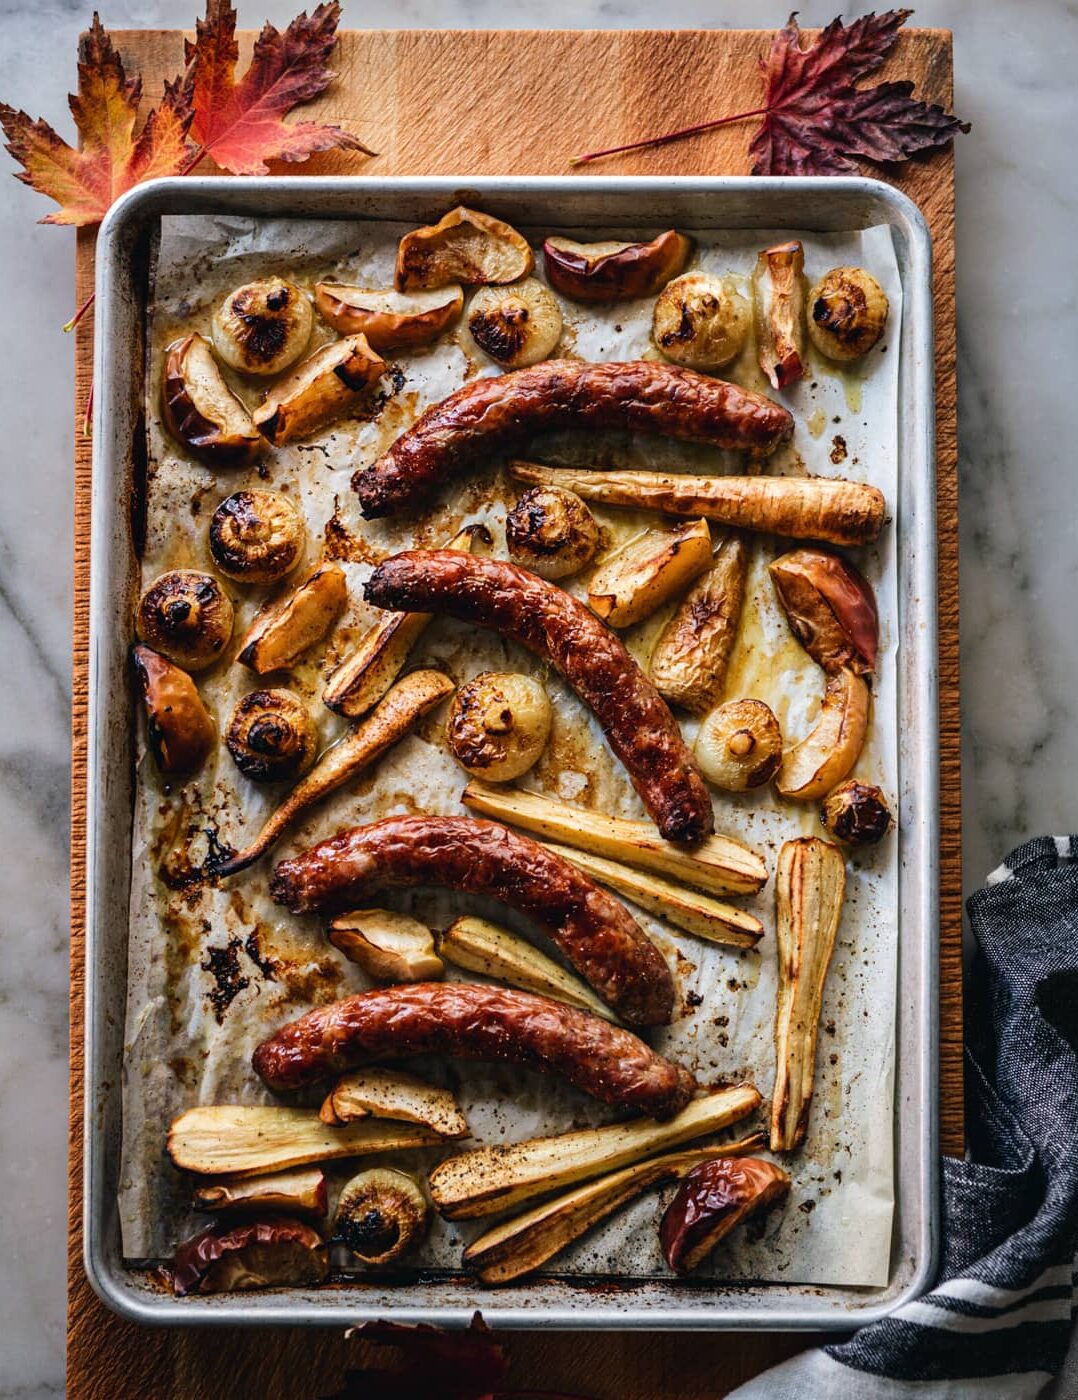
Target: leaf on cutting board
[240,123]
[111,159]
[816,119]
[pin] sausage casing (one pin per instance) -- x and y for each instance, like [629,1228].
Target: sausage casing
[593,929]
[475,1022]
[489,415]
[550,622]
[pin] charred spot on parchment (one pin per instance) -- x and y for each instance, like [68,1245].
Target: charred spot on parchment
[223,965]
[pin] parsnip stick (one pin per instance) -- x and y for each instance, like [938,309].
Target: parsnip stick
[809,888]
[799,507]
[363,677]
[695,913]
[523,1244]
[408,701]
[719,864]
[483,947]
[493,1179]
[249,1139]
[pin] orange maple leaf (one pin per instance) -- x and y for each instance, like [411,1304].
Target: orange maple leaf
[111,159]
[239,123]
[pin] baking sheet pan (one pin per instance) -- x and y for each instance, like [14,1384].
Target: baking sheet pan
[595,204]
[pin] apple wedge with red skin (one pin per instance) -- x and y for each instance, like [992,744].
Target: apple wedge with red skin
[201,411]
[830,607]
[605,272]
[714,1198]
[273,1251]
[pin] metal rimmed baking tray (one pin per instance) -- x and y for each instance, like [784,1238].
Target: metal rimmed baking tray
[124,263]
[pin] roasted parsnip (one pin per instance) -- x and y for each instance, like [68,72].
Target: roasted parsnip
[829,751]
[810,885]
[364,677]
[653,567]
[692,655]
[778,290]
[493,1179]
[391,1093]
[801,507]
[277,638]
[695,913]
[388,946]
[408,701]
[303,1189]
[486,948]
[719,864]
[523,1244]
[252,1139]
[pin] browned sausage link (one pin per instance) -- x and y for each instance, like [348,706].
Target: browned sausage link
[593,929]
[635,718]
[490,415]
[474,1022]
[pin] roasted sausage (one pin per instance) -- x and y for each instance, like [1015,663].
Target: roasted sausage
[593,929]
[475,1022]
[489,415]
[636,720]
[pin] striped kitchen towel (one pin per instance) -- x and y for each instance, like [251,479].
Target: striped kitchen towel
[999,1322]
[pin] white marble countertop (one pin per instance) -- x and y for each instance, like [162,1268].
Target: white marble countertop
[1017,293]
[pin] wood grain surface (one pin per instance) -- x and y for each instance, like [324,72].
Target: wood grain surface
[520,102]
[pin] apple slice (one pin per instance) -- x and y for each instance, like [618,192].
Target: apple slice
[255,1254]
[829,751]
[180,730]
[388,946]
[611,271]
[278,638]
[389,319]
[202,412]
[465,246]
[391,1093]
[303,1189]
[646,572]
[713,1198]
[319,391]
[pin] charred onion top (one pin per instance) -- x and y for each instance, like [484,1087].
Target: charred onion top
[187,616]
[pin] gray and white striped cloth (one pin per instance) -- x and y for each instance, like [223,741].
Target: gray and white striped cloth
[999,1322]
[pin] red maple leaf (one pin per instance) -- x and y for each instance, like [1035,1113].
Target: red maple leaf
[240,123]
[111,157]
[814,120]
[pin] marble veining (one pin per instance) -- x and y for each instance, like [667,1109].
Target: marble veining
[1017,282]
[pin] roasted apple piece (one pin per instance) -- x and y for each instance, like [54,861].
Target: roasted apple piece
[303,1189]
[271,736]
[186,616]
[179,728]
[779,298]
[326,386]
[486,948]
[715,1197]
[847,313]
[272,1251]
[856,813]
[612,271]
[262,327]
[257,536]
[829,751]
[701,321]
[464,246]
[388,946]
[739,745]
[491,1179]
[381,1215]
[498,725]
[653,567]
[277,638]
[391,1093]
[403,706]
[389,319]
[201,411]
[517,325]
[366,674]
[552,532]
[830,607]
[810,885]
[691,657]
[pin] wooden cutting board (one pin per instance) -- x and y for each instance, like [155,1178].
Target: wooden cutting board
[519,102]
